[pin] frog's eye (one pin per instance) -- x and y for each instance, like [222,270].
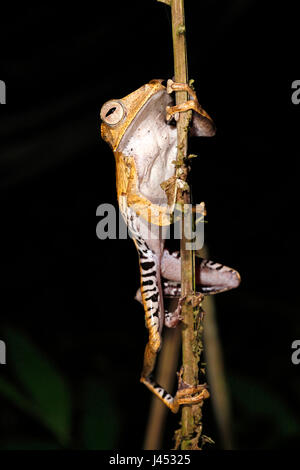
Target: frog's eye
[112,112]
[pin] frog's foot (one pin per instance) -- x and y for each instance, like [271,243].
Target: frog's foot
[186,394]
[175,86]
[173,318]
[189,394]
[192,104]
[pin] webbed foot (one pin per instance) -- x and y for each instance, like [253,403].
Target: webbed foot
[202,124]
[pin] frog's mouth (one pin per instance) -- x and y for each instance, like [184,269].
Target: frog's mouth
[152,144]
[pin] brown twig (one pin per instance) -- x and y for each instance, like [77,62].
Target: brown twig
[191,426]
[190,420]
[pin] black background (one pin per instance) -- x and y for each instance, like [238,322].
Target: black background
[73,294]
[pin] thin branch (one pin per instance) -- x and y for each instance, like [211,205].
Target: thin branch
[191,427]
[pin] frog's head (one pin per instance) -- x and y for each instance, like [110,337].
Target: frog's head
[118,114]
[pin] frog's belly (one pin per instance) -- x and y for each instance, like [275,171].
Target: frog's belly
[152,143]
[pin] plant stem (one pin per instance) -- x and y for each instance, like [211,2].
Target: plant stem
[191,415]
[192,329]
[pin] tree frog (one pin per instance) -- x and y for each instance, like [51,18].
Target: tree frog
[141,131]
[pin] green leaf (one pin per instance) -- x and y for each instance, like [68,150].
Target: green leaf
[11,393]
[42,382]
[100,421]
[257,399]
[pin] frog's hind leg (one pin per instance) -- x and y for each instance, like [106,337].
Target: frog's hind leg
[152,298]
[186,394]
[150,295]
[172,290]
[211,277]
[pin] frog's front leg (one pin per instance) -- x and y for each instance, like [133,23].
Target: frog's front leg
[202,123]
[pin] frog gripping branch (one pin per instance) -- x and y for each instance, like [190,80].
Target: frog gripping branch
[147,132]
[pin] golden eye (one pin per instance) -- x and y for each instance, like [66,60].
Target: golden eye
[112,112]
